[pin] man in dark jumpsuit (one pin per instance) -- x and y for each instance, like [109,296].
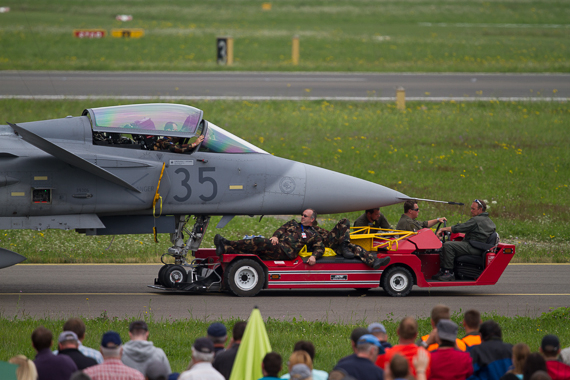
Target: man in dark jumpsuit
[373,218]
[285,243]
[338,239]
[478,228]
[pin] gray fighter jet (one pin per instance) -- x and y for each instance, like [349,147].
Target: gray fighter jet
[113,171]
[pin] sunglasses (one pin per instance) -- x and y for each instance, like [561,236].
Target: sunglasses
[478,202]
[306,216]
[416,209]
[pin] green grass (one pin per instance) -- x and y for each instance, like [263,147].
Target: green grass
[341,35]
[514,155]
[331,339]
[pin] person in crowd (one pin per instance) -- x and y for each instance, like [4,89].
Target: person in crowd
[157,370]
[379,331]
[407,333]
[354,336]
[361,365]
[477,230]
[408,220]
[300,371]
[429,341]
[340,374]
[203,353]
[309,348]
[534,362]
[224,361]
[78,327]
[520,354]
[138,352]
[218,334]
[372,218]
[399,368]
[338,239]
[48,365]
[80,375]
[68,344]
[447,362]
[471,323]
[299,357]
[26,368]
[271,365]
[550,349]
[540,375]
[112,366]
[492,358]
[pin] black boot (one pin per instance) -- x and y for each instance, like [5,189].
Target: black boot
[219,243]
[447,276]
[380,262]
[438,274]
[346,251]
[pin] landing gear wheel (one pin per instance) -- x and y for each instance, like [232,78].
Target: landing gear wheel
[172,275]
[245,278]
[397,281]
[161,273]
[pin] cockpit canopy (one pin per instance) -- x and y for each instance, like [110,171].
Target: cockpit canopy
[166,120]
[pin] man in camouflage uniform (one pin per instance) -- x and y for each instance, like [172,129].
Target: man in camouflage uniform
[408,220]
[285,243]
[338,239]
[373,218]
[477,229]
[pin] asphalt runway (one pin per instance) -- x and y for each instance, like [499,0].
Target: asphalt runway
[278,85]
[60,291]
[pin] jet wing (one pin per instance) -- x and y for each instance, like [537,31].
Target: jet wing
[69,158]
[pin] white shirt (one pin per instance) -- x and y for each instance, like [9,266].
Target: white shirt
[201,371]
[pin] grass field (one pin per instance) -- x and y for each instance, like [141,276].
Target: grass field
[341,35]
[514,155]
[330,339]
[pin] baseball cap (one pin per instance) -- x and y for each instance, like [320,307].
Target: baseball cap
[369,339]
[203,345]
[300,371]
[447,330]
[550,343]
[217,330]
[66,336]
[376,328]
[111,339]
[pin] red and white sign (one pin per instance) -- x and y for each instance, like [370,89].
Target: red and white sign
[89,33]
[124,17]
[4,9]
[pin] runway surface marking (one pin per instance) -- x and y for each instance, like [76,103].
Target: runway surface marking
[295,98]
[485,25]
[209,294]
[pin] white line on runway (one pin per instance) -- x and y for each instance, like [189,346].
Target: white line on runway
[291,98]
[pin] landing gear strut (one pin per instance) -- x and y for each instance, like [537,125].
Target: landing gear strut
[198,275]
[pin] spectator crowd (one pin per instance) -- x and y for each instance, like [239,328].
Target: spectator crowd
[440,355]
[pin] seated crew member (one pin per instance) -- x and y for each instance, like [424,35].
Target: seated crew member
[285,243]
[175,144]
[408,220]
[373,218]
[338,239]
[477,229]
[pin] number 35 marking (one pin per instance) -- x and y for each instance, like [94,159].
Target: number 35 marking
[202,179]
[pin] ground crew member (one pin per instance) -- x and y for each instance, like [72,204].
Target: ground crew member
[477,230]
[408,220]
[373,218]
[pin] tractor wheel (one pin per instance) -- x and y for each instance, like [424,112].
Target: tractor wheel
[245,278]
[397,281]
[172,275]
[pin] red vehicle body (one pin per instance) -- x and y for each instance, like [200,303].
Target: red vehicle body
[414,259]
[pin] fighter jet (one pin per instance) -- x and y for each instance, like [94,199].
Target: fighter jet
[146,168]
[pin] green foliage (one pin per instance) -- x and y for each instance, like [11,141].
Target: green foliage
[332,340]
[340,35]
[513,154]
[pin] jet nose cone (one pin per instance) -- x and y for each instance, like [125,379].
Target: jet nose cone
[8,258]
[330,192]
